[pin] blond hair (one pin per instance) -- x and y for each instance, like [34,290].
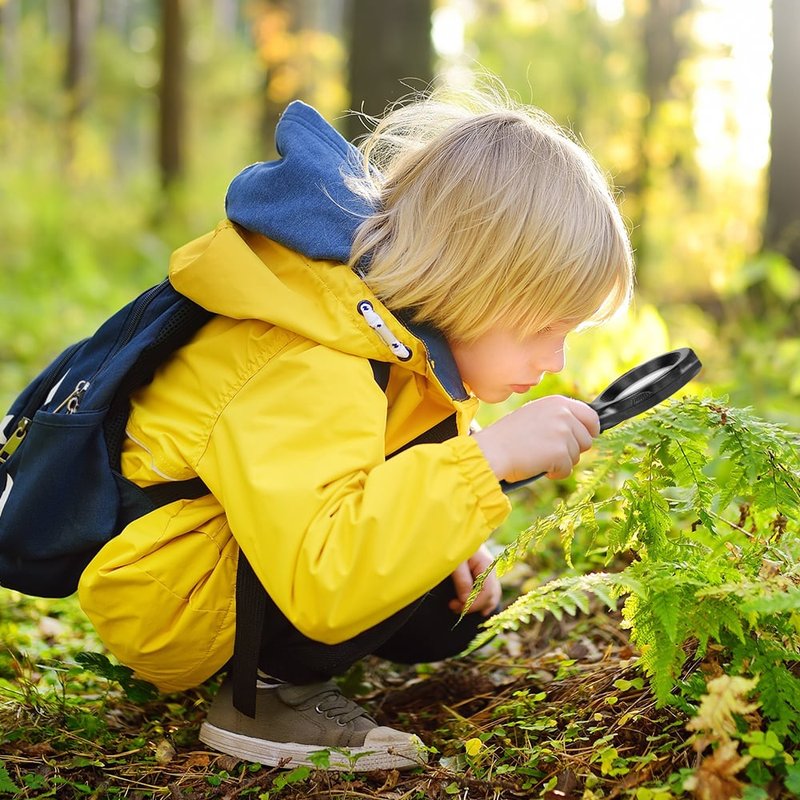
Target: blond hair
[487,213]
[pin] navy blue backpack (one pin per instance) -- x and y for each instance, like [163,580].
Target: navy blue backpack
[62,495]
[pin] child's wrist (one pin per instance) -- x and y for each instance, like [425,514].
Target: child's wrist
[493,454]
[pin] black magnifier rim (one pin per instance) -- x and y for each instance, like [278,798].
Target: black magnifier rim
[681,366]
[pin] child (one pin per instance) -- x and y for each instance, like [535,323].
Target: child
[476,238]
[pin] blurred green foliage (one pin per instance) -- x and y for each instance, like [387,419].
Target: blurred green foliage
[84,233]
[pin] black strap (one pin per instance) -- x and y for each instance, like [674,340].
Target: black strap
[251,603]
[441,432]
[162,494]
[380,371]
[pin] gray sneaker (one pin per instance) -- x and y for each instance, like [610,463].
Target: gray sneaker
[292,722]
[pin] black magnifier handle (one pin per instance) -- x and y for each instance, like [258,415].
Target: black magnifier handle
[638,390]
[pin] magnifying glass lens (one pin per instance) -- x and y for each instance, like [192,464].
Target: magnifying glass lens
[642,383]
[645,386]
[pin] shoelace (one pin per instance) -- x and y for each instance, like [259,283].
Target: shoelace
[335,706]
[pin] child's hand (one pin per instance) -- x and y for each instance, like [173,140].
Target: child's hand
[544,436]
[463,578]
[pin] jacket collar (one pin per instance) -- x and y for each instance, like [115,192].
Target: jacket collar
[302,201]
[440,356]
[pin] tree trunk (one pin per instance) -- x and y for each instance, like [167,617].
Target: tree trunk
[172,116]
[115,14]
[79,26]
[226,17]
[664,50]
[782,225]
[391,54]
[11,57]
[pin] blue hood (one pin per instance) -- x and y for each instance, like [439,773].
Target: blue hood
[301,200]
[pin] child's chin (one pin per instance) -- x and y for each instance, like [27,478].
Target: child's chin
[497,396]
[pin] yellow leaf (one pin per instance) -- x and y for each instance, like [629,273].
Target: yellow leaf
[715,778]
[473,746]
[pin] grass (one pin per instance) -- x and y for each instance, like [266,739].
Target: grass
[557,710]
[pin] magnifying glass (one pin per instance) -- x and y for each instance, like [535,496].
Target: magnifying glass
[638,390]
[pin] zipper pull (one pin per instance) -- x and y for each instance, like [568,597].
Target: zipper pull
[15,440]
[74,398]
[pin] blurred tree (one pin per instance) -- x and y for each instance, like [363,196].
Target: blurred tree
[782,227]
[391,53]
[116,14]
[80,27]
[10,51]
[664,48]
[226,16]
[299,44]
[172,118]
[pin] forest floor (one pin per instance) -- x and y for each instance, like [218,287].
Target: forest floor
[555,711]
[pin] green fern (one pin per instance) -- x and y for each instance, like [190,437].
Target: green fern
[704,500]
[556,597]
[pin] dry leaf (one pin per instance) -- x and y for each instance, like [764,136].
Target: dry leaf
[38,750]
[228,763]
[392,777]
[715,778]
[165,752]
[726,697]
[201,760]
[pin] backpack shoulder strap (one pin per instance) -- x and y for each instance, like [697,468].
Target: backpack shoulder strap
[185,320]
[380,370]
[251,606]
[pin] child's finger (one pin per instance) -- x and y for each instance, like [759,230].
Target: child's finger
[462,580]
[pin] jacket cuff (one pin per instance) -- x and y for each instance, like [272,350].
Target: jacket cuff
[477,472]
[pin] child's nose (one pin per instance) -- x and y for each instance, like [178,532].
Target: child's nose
[555,360]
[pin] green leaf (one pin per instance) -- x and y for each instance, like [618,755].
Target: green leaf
[297,775]
[792,780]
[762,751]
[321,759]
[7,786]
[137,690]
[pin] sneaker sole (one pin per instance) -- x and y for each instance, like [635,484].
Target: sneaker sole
[291,754]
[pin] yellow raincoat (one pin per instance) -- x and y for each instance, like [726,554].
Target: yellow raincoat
[274,405]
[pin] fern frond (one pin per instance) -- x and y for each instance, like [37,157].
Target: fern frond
[661,661]
[566,518]
[776,602]
[779,692]
[667,609]
[712,617]
[564,595]
[772,456]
